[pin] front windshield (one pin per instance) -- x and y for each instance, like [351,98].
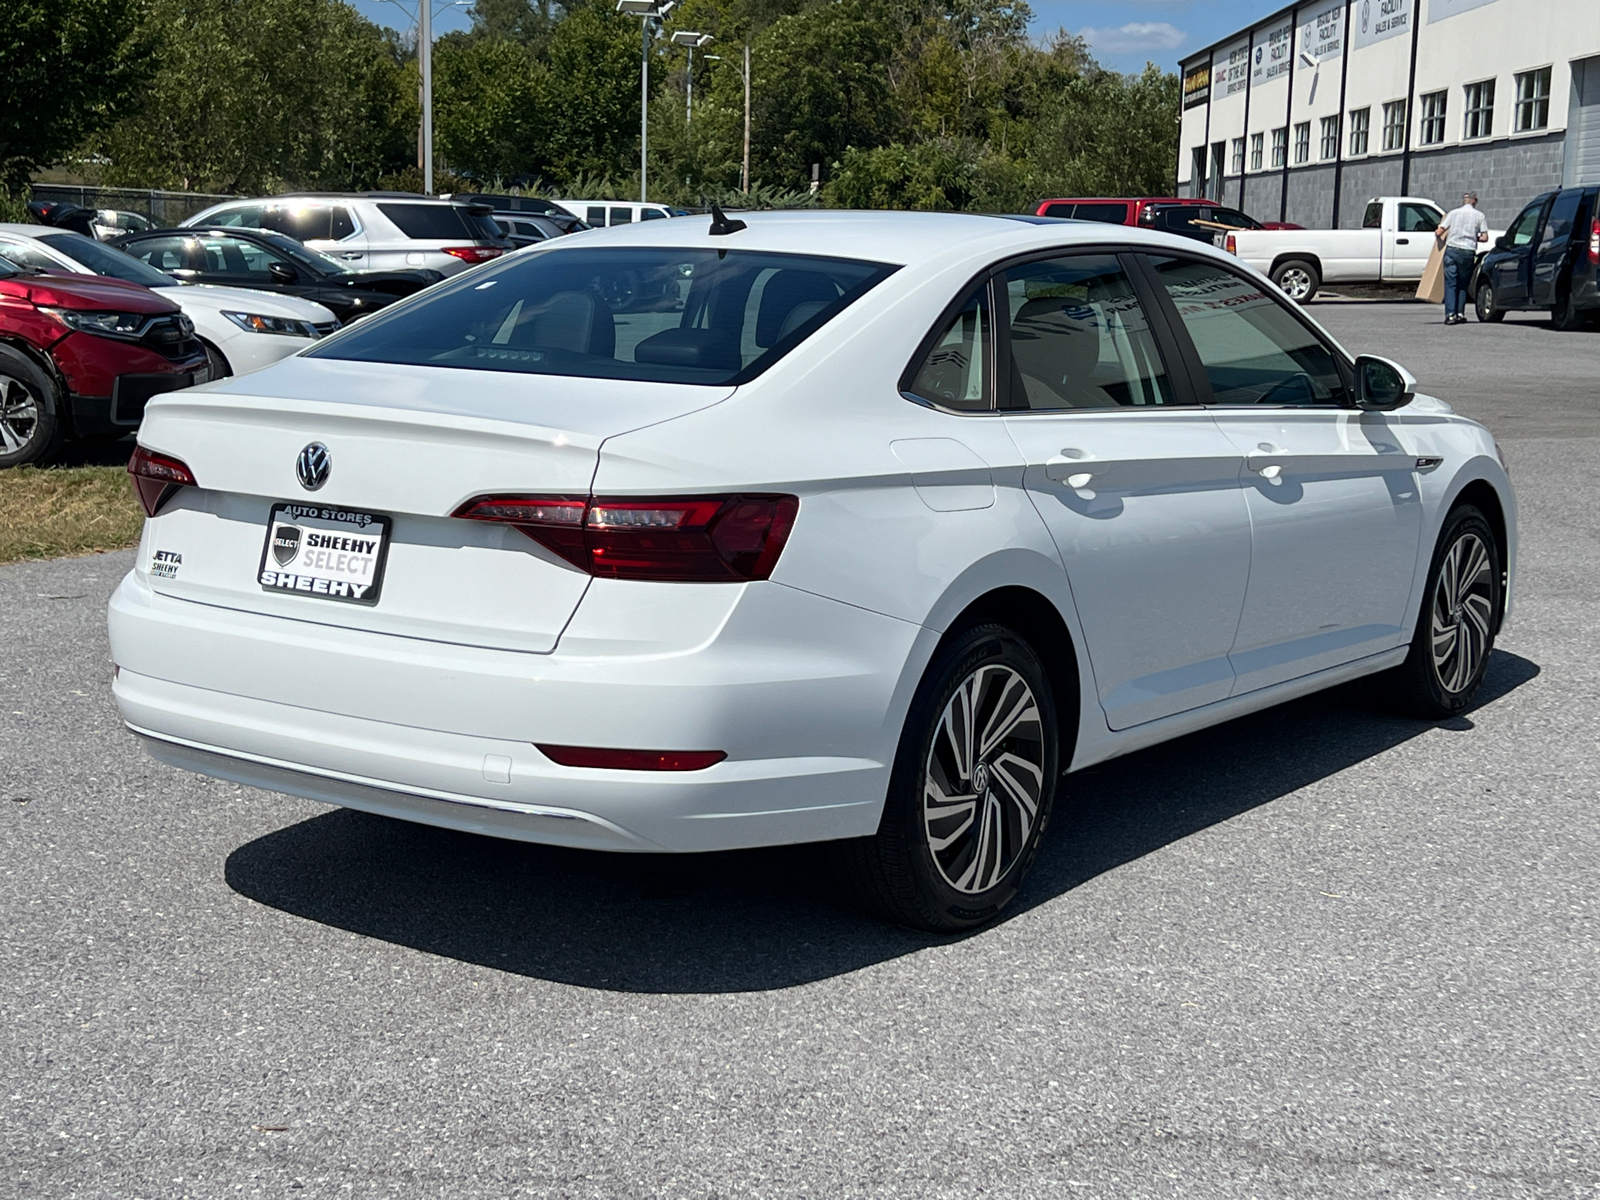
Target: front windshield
[103,260]
[303,254]
[676,316]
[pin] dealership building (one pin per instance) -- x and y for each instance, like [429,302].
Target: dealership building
[1310,112]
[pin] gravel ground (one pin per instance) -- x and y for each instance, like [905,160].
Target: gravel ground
[1316,952]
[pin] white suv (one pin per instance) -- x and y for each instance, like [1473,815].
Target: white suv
[376,231]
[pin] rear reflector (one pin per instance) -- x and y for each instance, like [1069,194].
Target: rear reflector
[474,254]
[156,477]
[685,539]
[631,760]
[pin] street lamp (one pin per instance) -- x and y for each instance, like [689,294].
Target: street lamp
[744,174]
[425,66]
[691,42]
[647,11]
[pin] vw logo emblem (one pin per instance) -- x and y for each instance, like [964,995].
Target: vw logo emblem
[313,466]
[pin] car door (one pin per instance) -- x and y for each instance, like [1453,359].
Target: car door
[330,228]
[1552,246]
[241,262]
[1138,487]
[1331,490]
[1406,247]
[177,255]
[1511,273]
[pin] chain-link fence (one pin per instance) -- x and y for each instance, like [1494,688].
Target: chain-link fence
[163,208]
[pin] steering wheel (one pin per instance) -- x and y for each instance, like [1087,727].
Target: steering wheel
[1308,384]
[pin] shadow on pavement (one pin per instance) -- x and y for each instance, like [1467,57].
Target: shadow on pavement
[95,453]
[764,919]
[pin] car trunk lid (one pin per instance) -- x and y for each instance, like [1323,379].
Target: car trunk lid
[407,446]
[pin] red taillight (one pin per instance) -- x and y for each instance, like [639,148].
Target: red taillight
[1231,244]
[683,539]
[474,254]
[631,760]
[156,477]
[1594,241]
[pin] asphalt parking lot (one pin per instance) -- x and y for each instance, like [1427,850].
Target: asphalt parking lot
[1321,951]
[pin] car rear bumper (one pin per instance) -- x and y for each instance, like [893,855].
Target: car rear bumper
[809,718]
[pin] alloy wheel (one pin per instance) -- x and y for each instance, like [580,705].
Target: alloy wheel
[1462,613]
[19,414]
[1296,283]
[983,779]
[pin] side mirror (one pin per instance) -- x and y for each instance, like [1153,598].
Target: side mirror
[281,272]
[1382,385]
[1500,242]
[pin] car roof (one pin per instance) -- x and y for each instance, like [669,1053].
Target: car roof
[410,197]
[901,238]
[33,231]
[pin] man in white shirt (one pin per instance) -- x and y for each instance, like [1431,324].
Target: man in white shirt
[1463,229]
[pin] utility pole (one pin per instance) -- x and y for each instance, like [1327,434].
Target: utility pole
[647,11]
[425,60]
[744,175]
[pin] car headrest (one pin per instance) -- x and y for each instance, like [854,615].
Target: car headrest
[572,321]
[784,292]
[713,349]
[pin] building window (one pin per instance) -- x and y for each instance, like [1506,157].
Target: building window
[1330,137]
[1360,118]
[1302,142]
[1280,145]
[1238,156]
[1478,120]
[1394,125]
[1257,145]
[1533,100]
[1433,106]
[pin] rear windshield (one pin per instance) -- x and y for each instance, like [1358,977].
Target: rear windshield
[670,315]
[439,221]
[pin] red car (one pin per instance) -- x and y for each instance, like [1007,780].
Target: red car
[1171,214]
[81,355]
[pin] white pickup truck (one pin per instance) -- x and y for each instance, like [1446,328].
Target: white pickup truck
[1392,246]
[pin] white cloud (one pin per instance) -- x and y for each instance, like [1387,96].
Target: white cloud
[1136,35]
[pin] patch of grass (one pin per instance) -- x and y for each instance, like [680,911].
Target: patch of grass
[57,511]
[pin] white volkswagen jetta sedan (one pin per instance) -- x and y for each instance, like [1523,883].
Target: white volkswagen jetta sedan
[864,527]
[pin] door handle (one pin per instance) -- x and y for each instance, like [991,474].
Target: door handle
[1402,241]
[350,257]
[1272,472]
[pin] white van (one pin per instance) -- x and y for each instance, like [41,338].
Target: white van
[600,213]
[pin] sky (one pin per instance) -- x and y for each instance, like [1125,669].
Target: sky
[1124,34]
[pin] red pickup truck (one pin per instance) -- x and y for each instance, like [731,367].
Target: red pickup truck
[1186,216]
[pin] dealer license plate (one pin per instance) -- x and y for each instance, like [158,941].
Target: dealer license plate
[325,553]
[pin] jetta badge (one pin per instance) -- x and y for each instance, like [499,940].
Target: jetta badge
[313,466]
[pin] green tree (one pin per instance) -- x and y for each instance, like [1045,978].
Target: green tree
[67,66]
[249,95]
[491,117]
[592,92]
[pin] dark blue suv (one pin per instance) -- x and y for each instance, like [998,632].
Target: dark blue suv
[1548,260]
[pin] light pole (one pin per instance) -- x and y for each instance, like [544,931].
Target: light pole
[691,42]
[425,64]
[647,11]
[744,174]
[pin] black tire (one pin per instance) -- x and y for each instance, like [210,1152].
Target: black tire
[1563,316]
[1426,685]
[216,365]
[1298,279]
[31,428]
[926,867]
[1483,305]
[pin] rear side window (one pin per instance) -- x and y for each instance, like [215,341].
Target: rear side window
[1109,214]
[1253,349]
[1058,210]
[669,315]
[597,216]
[167,253]
[1079,337]
[653,214]
[621,216]
[955,372]
[432,222]
[1563,215]
[1373,218]
[340,223]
